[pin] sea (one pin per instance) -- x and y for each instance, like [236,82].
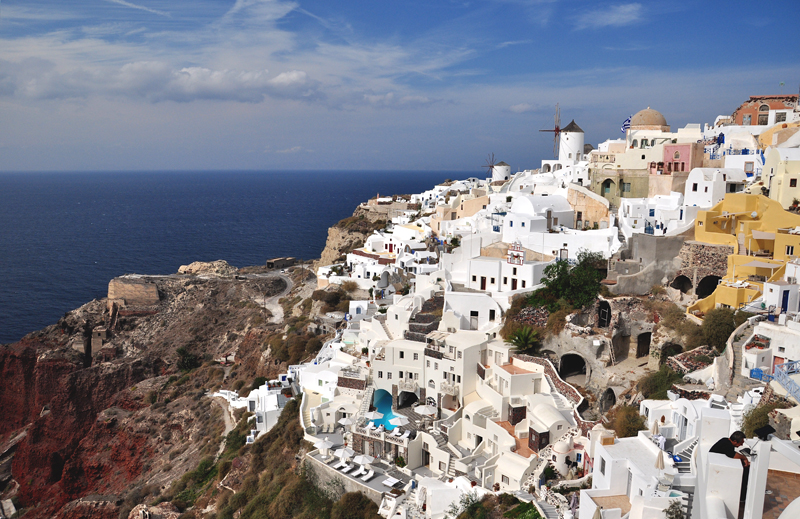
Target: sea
[64,236]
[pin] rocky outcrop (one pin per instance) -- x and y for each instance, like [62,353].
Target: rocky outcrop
[340,242]
[218,268]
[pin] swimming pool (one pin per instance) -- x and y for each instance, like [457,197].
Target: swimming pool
[383,403]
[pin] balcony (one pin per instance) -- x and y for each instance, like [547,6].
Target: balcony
[449,389]
[407,385]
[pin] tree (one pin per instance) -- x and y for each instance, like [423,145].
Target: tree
[627,421]
[525,339]
[187,360]
[718,325]
[578,285]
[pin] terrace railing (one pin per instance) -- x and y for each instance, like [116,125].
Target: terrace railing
[781,373]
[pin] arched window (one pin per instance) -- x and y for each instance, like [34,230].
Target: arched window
[677,155]
[635,143]
[432,384]
[763,108]
[644,143]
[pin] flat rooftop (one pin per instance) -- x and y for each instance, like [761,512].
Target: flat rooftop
[609,502]
[782,489]
[515,370]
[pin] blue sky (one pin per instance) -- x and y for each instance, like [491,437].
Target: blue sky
[437,84]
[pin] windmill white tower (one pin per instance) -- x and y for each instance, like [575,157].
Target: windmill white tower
[570,149]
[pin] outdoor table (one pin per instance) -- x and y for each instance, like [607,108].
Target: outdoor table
[390,482]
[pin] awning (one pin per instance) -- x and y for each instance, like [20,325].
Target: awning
[760,265]
[761,235]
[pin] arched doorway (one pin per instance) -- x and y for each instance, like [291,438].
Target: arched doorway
[603,314]
[546,168]
[643,344]
[573,369]
[607,400]
[707,286]
[608,188]
[682,283]
[406,399]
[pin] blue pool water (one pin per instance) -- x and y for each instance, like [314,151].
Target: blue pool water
[383,402]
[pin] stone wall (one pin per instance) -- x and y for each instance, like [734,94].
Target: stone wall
[133,291]
[352,383]
[327,480]
[699,260]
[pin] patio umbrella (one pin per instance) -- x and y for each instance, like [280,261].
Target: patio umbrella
[323,445]
[373,415]
[659,461]
[363,459]
[399,421]
[346,421]
[598,513]
[344,453]
[425,410]
[654,428]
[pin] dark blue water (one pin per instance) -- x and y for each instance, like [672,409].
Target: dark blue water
[64,236]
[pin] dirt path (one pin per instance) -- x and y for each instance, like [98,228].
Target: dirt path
[229,424]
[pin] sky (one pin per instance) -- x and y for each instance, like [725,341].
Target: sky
[380,85]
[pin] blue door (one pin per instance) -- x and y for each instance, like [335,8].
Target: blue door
[785,302]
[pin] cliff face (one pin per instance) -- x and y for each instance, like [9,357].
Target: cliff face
[340,242]
[127,417]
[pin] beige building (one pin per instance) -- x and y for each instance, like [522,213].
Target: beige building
[589,207]
[461,206]
[781,173]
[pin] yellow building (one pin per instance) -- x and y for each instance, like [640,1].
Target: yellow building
[781,173]
[765,237]
[461,206]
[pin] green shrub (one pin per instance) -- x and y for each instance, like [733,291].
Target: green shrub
[627,421]
[655,385]
[758,417]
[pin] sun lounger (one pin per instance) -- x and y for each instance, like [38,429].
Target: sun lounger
[405,435]
[328,459]
[339,465]
[396,432]
[370,426]
[369,475]
[381,428]
[347,468]
[361,470]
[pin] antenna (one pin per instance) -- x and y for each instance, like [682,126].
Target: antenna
[556,130]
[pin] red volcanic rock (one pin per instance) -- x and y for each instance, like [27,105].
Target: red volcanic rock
[54,440]
[88,508]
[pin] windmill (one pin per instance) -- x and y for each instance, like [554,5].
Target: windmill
[556,131]
[490,163]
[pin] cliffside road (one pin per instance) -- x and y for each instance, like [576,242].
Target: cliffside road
[271,303]
[229,425]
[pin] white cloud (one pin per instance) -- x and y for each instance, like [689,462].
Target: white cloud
[521,108]
[293,149]
[613,16]
[139,7]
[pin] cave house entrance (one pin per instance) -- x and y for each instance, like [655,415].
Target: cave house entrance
[573,369]
[643,344]
[706,286]
[603,314]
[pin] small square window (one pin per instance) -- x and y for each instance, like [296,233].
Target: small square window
[416,356]
[435,365]
[402,354]
[380,374]
[505,281]
[504,479]
[389,375]
[792,182]
[427,364]
[514,271]
[694,187]
[492,281]
[523,224]
[474,278]
[459,354]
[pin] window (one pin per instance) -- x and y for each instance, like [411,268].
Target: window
[554,457]
[559,427]
[395,317]
[459,354]
[380,374]
[505,281]
[792,182]
[523,224]
[514,271]
[432,384]
[436,365]
[705,190]
[402,354]
[511,223]
[491,315]
[416,356]
[474,278]
[427,364]
[492,281]
[781,349]
[442,466]
[523,283]
[504,479]
[748,167]
[444,375]
[780,117]
[400,375]
[644,143]
[450,350]
[320,383]
[635,143]
[626,187]
[603,466]
[790,250]
[578,457]
[694,187]
[746,120]
[388,375]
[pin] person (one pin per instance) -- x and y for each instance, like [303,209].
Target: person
[728,446]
